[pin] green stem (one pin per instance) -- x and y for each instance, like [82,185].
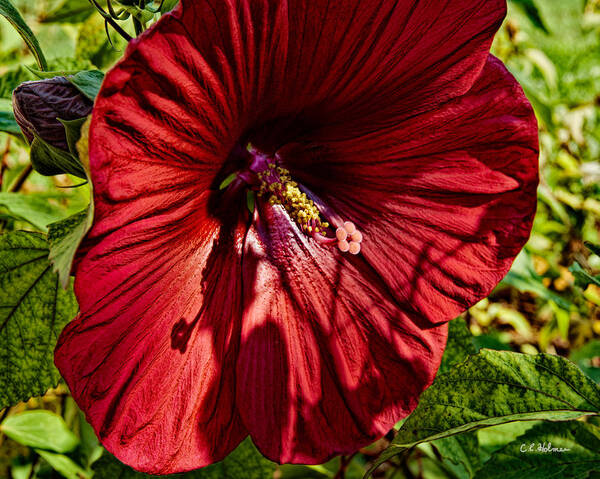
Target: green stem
[20,181]
[137,25]
[111,21]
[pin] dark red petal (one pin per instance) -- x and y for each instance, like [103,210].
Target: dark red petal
[328,361]
[445,200]
[151,357]
[161,128]
[322,57]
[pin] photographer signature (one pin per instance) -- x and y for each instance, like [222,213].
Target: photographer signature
[541,447]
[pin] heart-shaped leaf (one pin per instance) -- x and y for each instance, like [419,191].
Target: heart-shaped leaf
[33,311]
[496,387]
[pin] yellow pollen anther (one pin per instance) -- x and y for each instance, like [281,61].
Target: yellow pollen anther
[277,183]
[286,193]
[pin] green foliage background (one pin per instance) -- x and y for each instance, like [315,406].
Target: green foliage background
[548,303]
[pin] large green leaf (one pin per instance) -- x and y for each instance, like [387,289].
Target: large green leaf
[33,311]
[34,209]
[496,437]
[459,345]
[568,451]
[14,17]
[41,429]
[495,387]
[459,453]
[243,463]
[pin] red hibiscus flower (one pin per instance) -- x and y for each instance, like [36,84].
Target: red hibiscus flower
[390,164]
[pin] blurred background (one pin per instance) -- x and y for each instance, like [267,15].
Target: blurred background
[549,302]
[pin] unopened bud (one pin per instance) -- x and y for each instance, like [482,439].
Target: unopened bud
[38,106]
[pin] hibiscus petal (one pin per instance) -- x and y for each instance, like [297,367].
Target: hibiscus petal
[445,200]
[151,357]
[324,57]
[328,361]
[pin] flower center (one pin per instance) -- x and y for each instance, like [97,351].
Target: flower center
[266,178]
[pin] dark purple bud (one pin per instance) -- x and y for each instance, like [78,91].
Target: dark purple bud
[39,104]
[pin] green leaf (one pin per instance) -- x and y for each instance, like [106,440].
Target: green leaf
[90,447]
[65,237]
[64,464]
[491,340]
[460,453]
[32,208]
[243,463]
[88,82]
[14,17]
[459,345]
[250,201]
[585,356]
[8,124]
[168,5]
[496,437]
[11,80]
[69,11]
[93,44]
[48,160]
[568,451]
[227,181]
[582,277]
[531,11]
[561,17]
[33,311]
[538,101]
[523,277]
[496,387]
[21,468]
[593,248]
[73,132]
[41,429]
